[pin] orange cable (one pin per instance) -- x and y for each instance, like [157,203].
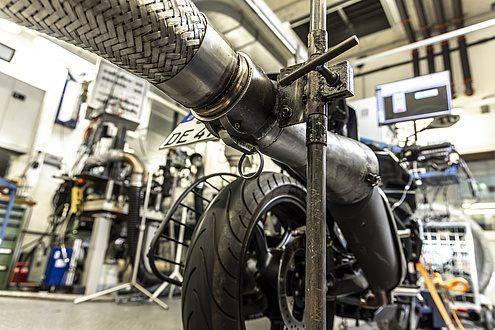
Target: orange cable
[457,284]
[459,324]
[435,296]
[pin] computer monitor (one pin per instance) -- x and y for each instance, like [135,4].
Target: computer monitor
[416,98]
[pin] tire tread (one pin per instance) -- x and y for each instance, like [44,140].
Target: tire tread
[217,249]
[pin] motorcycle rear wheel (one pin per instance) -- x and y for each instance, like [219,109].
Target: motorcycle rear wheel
[232,266]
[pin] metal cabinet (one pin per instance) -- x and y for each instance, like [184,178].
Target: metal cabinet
[20,107]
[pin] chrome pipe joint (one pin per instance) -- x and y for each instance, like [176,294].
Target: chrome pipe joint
[225,89]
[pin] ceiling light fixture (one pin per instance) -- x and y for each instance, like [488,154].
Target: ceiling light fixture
[425,42]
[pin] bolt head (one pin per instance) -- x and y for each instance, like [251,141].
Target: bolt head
[286,112]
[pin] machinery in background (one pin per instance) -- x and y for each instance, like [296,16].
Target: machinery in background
[454,244]
[235,270]
[91,243]
[96,208]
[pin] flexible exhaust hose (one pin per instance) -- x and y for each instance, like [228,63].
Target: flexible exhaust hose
[153,40]
[170,44]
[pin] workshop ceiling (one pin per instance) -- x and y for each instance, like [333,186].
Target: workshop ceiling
[373,17]
[377,23]
[274,32]
[254,33]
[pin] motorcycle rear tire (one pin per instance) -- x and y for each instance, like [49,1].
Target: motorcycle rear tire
[216,275]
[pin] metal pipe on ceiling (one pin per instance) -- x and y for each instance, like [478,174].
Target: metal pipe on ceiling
[442,28]
[406,22]
[461,41]
[425,29]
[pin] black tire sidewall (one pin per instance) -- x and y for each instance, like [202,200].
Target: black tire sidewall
[213,277]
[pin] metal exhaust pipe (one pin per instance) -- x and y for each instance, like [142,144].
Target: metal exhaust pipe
[170,44]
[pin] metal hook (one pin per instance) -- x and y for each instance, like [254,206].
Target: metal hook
[258,172]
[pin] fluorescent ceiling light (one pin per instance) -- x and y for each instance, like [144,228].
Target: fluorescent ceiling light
[479,206]
[480,212]
[426,42]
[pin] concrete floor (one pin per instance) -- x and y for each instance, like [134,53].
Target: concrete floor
[57,311]
[39,313]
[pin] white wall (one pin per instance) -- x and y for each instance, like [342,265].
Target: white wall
[45,66]
[474,133]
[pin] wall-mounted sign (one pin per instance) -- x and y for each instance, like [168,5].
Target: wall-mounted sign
[118,92]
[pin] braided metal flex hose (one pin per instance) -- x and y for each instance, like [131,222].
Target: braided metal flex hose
[152,39]
[170,44]
[167,42]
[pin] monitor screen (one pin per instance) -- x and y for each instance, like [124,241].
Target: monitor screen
[416,98]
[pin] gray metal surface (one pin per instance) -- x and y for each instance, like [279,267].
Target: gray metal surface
[348,161]
[315,317]
[207,75]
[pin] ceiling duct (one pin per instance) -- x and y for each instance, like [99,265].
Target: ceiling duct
[252,28]
[347,18]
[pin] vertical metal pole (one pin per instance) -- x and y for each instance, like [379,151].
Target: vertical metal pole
[316,139]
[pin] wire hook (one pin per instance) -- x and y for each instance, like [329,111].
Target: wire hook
[257,173]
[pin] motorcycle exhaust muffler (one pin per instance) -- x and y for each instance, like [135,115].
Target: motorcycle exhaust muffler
[171,44]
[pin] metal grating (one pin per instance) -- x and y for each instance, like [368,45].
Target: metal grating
[449,250]
[360,18]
